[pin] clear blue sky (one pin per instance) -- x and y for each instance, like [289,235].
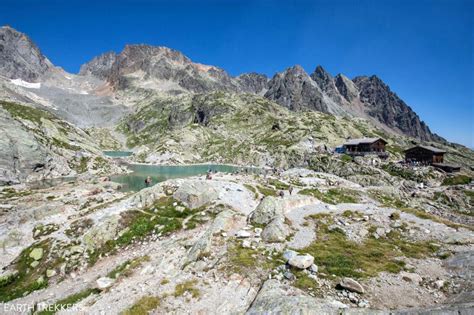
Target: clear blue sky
[422,49]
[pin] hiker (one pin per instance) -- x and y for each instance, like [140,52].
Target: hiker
[148,181]
[208,175]
[290,189]
[282,193]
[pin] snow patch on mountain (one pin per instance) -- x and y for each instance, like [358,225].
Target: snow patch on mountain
[25,84]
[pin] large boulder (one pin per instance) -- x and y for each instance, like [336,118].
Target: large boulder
[36,253]
[224,222]
[275,231]
[101,233]
[351,285]
[196,193]
[301,261]
[104,283]
[268,209]
[277,298]
[147,197]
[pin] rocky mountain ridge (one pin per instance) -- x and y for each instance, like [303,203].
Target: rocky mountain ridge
[165,69]
[141,71]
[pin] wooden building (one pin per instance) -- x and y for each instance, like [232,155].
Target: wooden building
[449,168]
[424,154]
[365,146]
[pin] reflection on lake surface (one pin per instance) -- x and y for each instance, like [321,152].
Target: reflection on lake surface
[136,181]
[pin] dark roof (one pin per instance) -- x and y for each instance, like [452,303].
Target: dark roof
[446,165]
[363,141]
[427,147]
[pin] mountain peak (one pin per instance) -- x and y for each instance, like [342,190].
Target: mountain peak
[20,58]
[296,69]
[385,106]
[327,83]
[99,66]
[320,72]
[346,87]
[294,89]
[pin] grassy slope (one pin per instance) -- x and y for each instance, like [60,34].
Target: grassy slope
[57,137]
[250,129]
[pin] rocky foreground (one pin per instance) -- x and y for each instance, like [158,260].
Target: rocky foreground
[232,244]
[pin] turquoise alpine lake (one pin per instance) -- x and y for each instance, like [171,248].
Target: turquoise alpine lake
[135,181]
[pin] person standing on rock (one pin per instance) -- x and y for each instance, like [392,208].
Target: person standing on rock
[290,190]
[148,181]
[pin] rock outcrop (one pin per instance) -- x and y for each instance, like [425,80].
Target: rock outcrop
[346,87]
[20,58]
[327,83]
[294,89]
[158,68]
[276,298]
[253,83]
[36,145]
[100,66]
[386,107]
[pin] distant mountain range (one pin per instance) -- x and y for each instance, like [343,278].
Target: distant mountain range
[108,86]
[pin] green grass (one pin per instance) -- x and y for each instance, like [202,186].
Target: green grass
[278,184]
[27,112]
[82,167]
[126,269]
[304,282]
[399,171]
[266,191]
[333,195]
[63,144]
[28,279]
[336,255]
[195,221]
[100,163]
[8,193]
[143,306]
[392,202]
[187,286]
[395,216]
[249,261]
[252,189]
[352,214]
[346,158]
[43,230]
[138,224]
[387,200]
[322,216]
[457,180]
[469,193]
[68,302]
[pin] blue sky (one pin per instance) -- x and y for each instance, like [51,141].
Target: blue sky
[422,49]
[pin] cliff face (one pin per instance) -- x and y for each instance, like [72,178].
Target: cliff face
[253,83]
[386,107]
[100,66]
[20,58]
[294,89]
[158,68]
